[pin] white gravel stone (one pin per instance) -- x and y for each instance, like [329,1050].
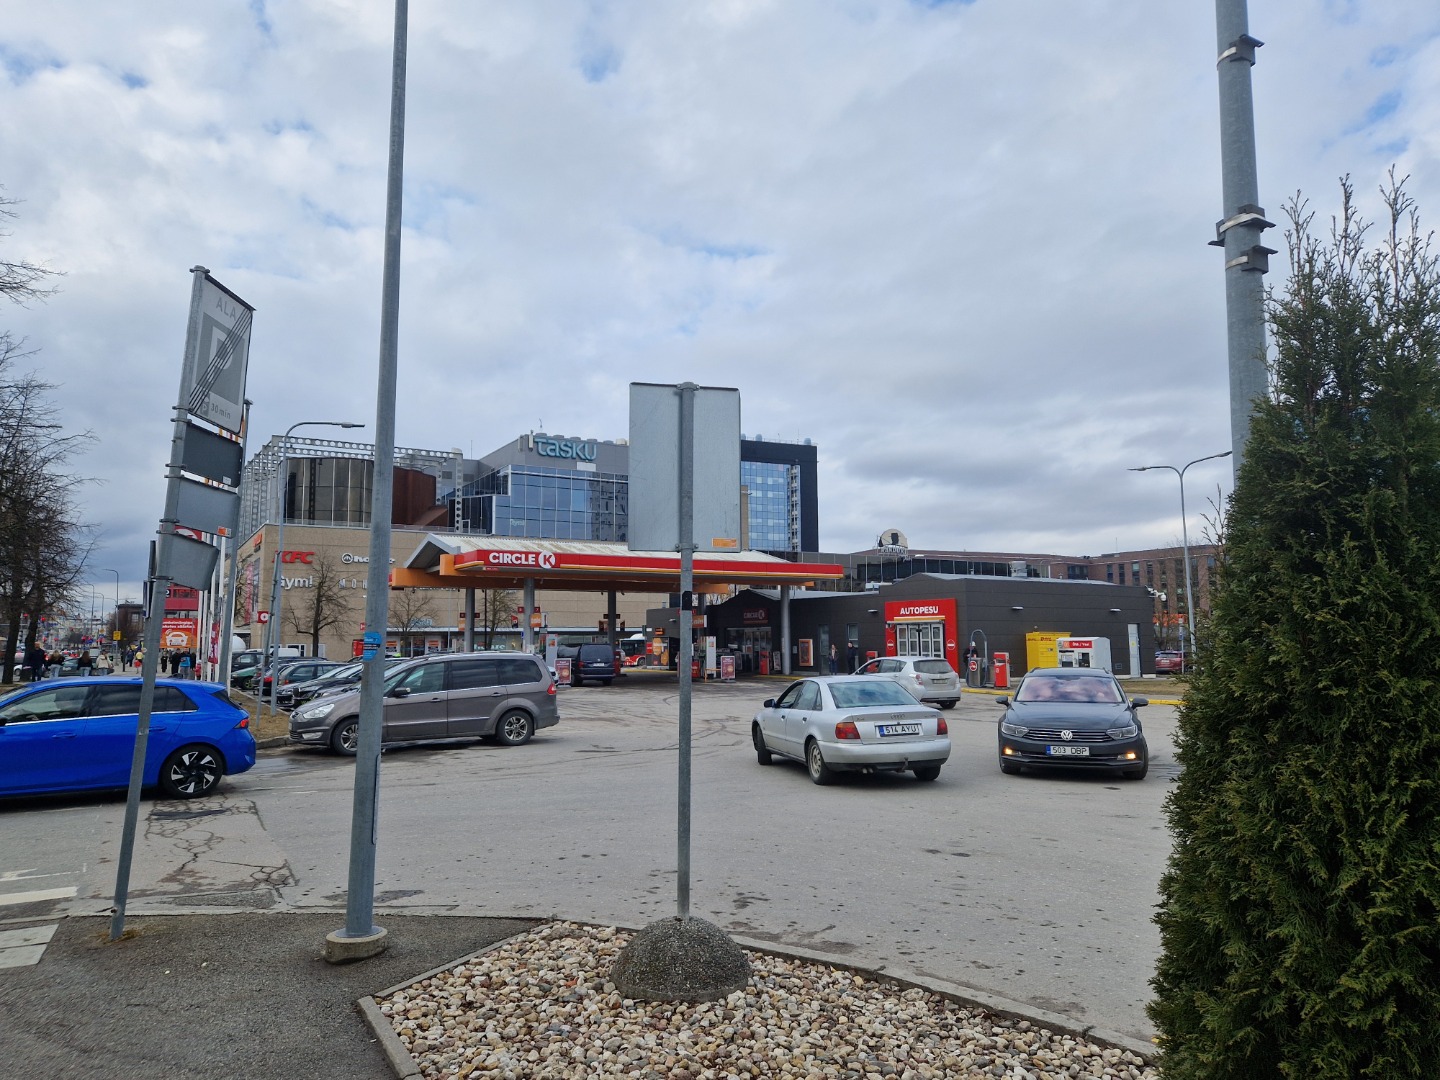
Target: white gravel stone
[541,1008]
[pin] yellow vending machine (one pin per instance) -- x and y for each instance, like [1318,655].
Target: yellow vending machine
[1041,650]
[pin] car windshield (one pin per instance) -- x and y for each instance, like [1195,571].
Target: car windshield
[1083,688]
[858,695]
[345,671]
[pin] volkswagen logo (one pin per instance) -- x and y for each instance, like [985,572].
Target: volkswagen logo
[1067,735]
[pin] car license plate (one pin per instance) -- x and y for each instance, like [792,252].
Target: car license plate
[898,729]
[1068,751]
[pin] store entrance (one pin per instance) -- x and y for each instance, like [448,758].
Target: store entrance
[920,639]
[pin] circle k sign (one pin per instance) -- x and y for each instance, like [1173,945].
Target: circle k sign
[544,560]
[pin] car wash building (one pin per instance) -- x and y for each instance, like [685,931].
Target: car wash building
[964,619]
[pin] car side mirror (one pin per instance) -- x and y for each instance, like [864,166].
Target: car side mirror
[400,691]
[1003,699]
[769,703]
[1136,702]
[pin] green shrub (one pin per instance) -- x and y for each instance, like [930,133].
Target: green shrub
[1300,911]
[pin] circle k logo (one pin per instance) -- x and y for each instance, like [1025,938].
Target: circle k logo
[545,560]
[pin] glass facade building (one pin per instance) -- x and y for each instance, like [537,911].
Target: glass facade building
[546,504]
[772,490]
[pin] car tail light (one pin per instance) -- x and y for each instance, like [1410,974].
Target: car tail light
[919,678]
[942,728]
[244,722]
[846,729]
[551,688]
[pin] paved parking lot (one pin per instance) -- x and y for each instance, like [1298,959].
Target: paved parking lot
[1039,889]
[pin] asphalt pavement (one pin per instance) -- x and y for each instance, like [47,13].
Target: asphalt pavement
[214,996]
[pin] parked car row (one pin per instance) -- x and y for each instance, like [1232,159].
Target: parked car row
[1057,717]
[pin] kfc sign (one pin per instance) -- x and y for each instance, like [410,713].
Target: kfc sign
[544,560]
[297,557]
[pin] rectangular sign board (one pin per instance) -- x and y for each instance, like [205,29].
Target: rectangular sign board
[212,456]
[189,562]
[209,509]
[217,353]
[655,468]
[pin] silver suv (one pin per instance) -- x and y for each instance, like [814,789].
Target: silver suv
[503,697]
[931,679]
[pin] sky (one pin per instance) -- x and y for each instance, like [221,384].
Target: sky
[962,246]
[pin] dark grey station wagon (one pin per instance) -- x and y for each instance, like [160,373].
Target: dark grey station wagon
[503,697]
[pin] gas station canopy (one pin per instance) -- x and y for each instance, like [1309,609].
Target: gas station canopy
[466,561]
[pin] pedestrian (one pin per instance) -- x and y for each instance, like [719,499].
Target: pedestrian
[834,659]
[185,666]
[57,661]
[86,663]
[852,657]
[164,662]
[35,661]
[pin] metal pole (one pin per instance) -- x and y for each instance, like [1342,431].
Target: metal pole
[116,628]
[361,937]
[154,616]
[686,535]
[1239,231]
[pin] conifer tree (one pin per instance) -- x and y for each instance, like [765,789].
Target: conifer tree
[1300,911]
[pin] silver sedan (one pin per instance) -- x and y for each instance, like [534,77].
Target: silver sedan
[851,723]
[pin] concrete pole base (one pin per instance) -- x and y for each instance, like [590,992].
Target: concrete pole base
[340,948]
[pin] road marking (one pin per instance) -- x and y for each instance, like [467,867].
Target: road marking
[24,947]
[34,896]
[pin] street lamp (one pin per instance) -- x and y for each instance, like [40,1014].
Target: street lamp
[1185,539]
[116,635]
[272,626]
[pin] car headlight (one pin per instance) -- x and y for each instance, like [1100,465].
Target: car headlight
[1007,728]
[316,712]
[1129,731]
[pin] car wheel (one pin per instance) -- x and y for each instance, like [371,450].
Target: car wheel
[345,739]
[1009,768]
[191,771]
[926,772]
[514,728]
[948,704]
[762,752]
[820,773]
[1137,774]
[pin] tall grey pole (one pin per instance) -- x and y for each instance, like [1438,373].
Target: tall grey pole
[1239,231]
[686,535]
[1185,543]
[361,937]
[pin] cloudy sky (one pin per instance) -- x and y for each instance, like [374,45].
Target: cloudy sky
[960,245]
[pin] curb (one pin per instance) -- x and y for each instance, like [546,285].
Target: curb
[407,1068]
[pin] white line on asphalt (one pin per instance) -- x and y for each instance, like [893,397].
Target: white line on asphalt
[36,895]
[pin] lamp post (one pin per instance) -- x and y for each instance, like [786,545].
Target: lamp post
[114,636]
[272,625]
[1185,540]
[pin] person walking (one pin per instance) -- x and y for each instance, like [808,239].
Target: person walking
[57,661]
[35,662]
[86,663]
[164,662]
[185,666]
[852,657]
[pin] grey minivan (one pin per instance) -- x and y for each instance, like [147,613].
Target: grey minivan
[503,697]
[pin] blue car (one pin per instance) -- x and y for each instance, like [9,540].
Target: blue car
[79,734]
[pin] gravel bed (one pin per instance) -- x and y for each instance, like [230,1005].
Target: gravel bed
[540,1006]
